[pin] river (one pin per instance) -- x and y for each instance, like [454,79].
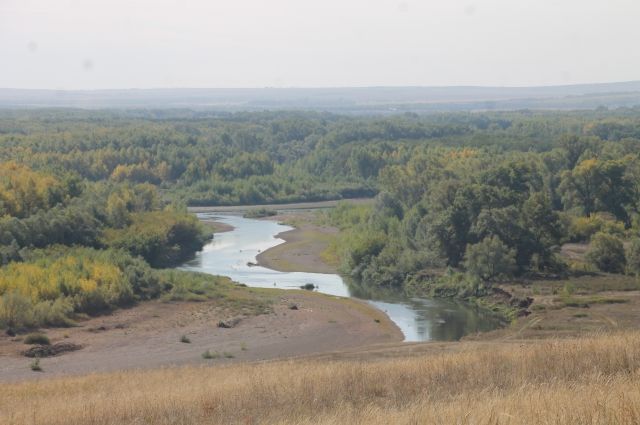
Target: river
[229,253]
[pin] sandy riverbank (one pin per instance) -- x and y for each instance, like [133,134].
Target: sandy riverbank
[218,226]
[148,336]
[304,248]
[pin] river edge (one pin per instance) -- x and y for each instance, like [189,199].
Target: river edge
[606,305]
[304,251]
[150,335]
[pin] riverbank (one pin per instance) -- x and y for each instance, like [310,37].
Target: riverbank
[217,226]
[532,309]
[304,249]
[280,207]
[152,335]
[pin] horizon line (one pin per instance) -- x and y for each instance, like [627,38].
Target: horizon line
[410,86]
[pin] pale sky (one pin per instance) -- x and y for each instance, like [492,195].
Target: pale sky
[99,44]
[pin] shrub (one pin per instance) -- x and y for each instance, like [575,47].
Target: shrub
[35,365]
[53,283]
[54,313]
[185,339]
[607,253]
[259,213]
[208,355]
[16,311]
[37,338]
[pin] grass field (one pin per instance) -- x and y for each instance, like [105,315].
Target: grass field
[591,380]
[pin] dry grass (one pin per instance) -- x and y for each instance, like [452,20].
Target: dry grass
[592,380]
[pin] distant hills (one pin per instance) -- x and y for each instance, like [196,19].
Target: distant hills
[362,100]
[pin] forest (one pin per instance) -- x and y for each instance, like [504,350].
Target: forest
[92,203]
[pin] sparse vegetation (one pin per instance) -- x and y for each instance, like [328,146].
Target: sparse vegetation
[35,365]
[259,213]
[37,338]
[210,355]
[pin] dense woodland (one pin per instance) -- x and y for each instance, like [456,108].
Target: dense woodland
[92,202]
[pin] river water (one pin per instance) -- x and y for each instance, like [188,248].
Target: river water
[229,253]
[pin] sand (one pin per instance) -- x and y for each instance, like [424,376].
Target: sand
[148,336]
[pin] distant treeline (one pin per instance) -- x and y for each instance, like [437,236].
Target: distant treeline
[273,157]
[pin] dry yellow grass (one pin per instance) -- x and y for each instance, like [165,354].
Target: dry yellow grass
[592,380]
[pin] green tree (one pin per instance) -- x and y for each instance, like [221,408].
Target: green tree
[490,259]
[595,185]
[117,211]
[607,253]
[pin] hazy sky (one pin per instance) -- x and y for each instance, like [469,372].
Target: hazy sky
[87,44]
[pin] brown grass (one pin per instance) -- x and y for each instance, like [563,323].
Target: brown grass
[592,380]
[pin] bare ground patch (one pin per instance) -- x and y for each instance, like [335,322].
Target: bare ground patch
[151,335]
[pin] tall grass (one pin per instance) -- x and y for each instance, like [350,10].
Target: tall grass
[591,380]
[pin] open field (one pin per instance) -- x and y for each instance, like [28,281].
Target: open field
[592,380]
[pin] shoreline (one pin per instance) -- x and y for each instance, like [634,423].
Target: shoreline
[303,248]
[279,207]
[218,226]
[148,336]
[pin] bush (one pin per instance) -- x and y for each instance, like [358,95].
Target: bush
[607,253]
[185,339]
[35,365]
[208,355]
[37,338]
[16,311]
[259,213]
[53,313]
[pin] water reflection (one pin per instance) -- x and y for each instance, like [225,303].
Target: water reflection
[231,253]
[424,319]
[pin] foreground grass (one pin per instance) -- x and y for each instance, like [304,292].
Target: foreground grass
[592,380]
